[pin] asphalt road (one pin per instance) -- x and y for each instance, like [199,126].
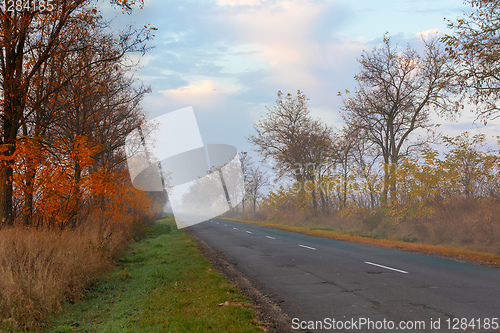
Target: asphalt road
[319,279]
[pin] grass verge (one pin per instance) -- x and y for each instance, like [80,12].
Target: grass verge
[163,285]
[486,259]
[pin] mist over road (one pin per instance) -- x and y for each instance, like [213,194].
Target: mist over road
[314,278]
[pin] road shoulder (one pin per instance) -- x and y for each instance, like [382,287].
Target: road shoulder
[268,313]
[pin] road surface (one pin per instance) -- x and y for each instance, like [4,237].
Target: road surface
[319,279]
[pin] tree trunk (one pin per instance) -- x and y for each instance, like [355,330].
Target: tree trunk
[28,194]
[344,189]
[76,196]
[386,183]
[322,199]
[6,172]
[314,201]
[394,197]
[372,197]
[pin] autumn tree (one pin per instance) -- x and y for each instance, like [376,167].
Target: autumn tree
[471,168]
[246,165]
[101,103]
[296,143]
[365,159]
[475,48]
[30,40]
[257,180]
[343,152]
[395,95]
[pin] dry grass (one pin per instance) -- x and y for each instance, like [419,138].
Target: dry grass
[472,224]
[42,269]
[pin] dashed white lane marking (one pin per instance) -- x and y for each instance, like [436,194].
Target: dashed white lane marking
[235,228]
[225,225]
[392,269]
[248,232]
[307,247]
[270,237]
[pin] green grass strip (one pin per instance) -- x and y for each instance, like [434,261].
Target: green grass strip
[164,285]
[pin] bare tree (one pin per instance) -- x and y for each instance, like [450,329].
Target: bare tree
[475,48]
[365,157]
[297,143]
[395,95]
[246,168]
[258,180]
[343,150]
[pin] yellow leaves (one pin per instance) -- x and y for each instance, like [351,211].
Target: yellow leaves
[466,171]
[420,210]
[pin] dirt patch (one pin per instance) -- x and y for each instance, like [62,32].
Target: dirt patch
[269,314]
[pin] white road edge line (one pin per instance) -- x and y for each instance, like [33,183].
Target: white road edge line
[249,232]
[270,237]
[307,247]
[392,269]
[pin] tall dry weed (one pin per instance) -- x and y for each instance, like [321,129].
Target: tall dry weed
[41,269]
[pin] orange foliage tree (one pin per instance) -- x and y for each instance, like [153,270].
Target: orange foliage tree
[30,40]
[60,198]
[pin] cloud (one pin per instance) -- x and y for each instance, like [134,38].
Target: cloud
[269,4]
[428,34]
[234,3]
[294,39]
[206,94]
[206,87]
[196,88]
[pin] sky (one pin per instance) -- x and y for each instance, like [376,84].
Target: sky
[228,58]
